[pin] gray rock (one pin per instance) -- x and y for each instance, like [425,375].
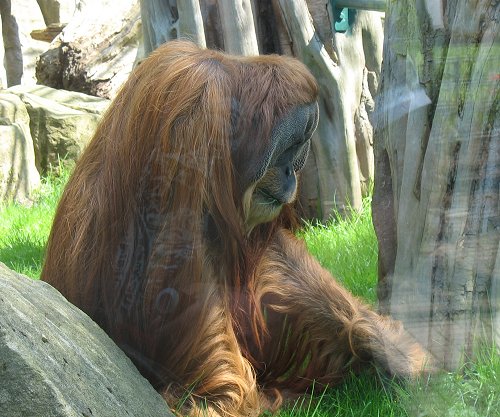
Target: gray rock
[72,99]
[18,174]
[61,122]
[55,361]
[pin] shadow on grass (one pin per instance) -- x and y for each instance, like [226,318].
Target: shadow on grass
[23,255]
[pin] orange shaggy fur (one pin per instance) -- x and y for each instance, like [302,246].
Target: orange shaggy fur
[149,240]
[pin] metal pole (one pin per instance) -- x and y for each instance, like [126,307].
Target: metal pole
[376,5]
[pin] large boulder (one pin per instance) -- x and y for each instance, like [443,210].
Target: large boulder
[55,361]
[18,174]
[61,122]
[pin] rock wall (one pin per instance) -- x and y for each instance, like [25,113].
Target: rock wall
[18,175]
[39,127]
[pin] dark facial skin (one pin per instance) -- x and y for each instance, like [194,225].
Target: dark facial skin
[278,186]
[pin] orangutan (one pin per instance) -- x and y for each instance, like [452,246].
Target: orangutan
[175,234]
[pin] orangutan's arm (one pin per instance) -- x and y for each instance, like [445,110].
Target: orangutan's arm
[327,330]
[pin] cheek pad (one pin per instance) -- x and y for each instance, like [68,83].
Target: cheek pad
[301,157]
[298,124]
[264,165]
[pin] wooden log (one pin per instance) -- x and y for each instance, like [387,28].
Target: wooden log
[375,5]
[96,51]
[49,33]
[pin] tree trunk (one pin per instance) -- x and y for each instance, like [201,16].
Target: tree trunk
[437,151]
[191,22]
[238,27]
[96,50]
[166,20]
[13,59]
[50,11]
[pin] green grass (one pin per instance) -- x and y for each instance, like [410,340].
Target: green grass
[24,230]
[348,248]
[358,396]
[473,391]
